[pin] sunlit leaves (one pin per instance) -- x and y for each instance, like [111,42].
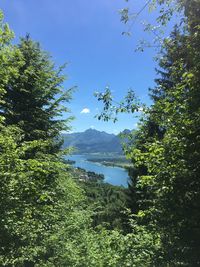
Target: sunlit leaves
[111,108]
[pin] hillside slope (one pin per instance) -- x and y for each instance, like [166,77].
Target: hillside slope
[93,141]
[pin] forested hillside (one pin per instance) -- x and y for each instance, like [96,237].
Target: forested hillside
[93,141]
[49,216]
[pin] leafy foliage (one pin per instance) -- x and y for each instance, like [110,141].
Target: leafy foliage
[106,201]
[44,218]
[164,189]
[32,187]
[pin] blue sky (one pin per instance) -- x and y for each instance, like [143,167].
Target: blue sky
[87,35]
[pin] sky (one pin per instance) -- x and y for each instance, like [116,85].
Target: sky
[88,36]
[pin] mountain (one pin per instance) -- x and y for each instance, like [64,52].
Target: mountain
[93,141]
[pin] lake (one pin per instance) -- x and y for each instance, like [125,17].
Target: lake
[113,175]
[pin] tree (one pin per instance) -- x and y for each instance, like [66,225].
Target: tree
[166,154]
[32,188]
[32,99]
[9,67]
[178,172]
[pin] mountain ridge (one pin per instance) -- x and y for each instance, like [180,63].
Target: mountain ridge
[94,141]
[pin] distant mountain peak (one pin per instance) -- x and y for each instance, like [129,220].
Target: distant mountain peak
[91,130]
[95,130]
[93,141]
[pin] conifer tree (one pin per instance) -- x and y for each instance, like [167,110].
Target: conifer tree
[33,197]
[33,99]
[166,153]
[172,161]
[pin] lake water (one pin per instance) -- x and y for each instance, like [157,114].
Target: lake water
[113,175]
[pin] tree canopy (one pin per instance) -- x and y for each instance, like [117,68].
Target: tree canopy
[47,216]
[164,188]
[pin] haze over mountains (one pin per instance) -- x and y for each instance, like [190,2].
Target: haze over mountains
[93,141]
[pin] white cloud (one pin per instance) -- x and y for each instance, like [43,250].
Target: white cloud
[85,111]
[92,127]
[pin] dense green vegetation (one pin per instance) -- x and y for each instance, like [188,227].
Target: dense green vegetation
[164,191]
[52,215]
[106,201]
[32,191]
[44,217]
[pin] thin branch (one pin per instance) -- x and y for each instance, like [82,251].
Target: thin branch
[138,13]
